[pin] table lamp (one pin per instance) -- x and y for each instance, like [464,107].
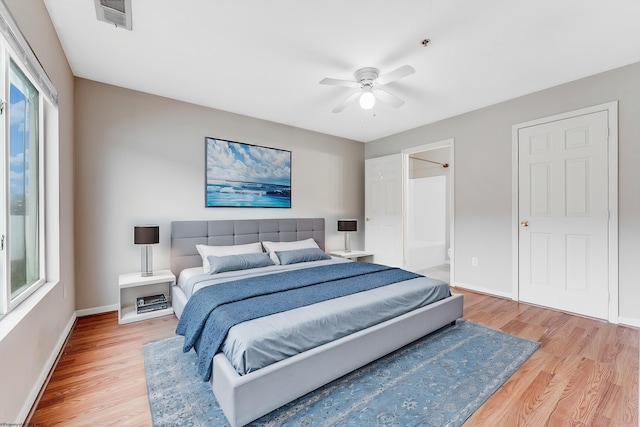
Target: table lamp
[347,226]
[146,235]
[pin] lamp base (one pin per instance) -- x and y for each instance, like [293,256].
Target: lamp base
[146,261]
[347,242]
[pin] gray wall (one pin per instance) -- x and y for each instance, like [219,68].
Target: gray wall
[31,335]
[140,159]
[483,176]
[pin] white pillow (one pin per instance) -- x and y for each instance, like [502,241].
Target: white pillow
[205,251]
[272,247]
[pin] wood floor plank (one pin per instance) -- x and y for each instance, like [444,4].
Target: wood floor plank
[524,330]
[585,372]
[578,402]
[545,402]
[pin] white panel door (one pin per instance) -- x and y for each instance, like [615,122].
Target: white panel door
[563,210]
[383,209]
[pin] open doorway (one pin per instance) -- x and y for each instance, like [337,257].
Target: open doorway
[428,223]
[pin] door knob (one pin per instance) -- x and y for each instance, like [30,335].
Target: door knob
[524,223]
[366,219]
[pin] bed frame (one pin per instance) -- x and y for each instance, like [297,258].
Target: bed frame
[244,398]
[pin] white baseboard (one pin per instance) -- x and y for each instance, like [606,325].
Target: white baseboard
[96,310]
[629,321]
[626,321]
[482,290]
[33,395]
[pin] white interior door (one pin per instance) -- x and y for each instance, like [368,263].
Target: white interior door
[563,212]
[383,209]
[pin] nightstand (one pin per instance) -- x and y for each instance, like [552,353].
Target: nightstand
[134,285]
[353,255]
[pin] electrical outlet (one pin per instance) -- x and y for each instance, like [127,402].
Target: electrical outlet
[474,262]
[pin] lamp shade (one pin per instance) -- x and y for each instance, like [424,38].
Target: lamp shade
[146,234]
[347,225]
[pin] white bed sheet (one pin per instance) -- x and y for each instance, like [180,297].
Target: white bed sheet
[259,342]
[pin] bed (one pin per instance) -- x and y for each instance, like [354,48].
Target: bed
[245,393]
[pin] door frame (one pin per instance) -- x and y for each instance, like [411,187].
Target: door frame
[612,109]
[405,195]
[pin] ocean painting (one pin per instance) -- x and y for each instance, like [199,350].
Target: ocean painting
[245,175]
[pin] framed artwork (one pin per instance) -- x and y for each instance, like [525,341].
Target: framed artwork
[245,175]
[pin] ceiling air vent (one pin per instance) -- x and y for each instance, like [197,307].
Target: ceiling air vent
[114,12]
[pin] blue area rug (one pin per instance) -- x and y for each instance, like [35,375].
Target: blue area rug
[439,380]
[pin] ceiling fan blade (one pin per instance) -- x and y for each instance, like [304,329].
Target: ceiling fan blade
[338,82]
[346,102]
[394,75]
[388,98]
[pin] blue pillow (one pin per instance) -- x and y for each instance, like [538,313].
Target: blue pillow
[301,255]
[220,264]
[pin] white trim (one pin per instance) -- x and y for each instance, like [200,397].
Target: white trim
[11,319]
[612,116]
[629,321]
[515,215]
[44,373]
[614,285]
[97,310]
[483,290]
[405,160]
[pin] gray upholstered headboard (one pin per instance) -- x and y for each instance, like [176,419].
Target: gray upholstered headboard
[185,235]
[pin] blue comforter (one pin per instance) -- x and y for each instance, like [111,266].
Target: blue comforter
[212,311]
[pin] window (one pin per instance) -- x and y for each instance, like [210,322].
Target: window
[23,187]
[28,130]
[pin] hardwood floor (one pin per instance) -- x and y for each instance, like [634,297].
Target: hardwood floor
[99,380]
[585,372]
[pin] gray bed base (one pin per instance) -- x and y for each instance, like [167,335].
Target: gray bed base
[244,398]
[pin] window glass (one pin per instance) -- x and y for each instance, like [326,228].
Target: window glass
[23,229]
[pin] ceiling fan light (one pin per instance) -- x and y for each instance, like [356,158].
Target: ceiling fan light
[367,99]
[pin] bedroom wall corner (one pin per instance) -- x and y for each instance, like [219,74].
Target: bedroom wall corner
[32,334]
[140,160]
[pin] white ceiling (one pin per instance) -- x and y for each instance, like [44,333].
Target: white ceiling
[264,59]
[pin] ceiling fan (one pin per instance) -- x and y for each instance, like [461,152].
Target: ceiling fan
[369,80]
